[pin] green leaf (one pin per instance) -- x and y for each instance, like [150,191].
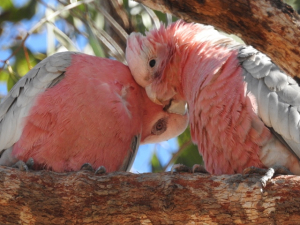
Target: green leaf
[22,66]
[190,155]
[14,14]
[4,75]
[6,4]
[10,83]
[64,39]
[184,137]
[294,3]
[95,44]
[155,164]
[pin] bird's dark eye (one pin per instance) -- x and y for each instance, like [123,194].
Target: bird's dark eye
[152,63]
[159,127]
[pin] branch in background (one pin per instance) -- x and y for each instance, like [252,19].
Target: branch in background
[176,154]
[120,17]
[71,13]
[270,26]
[41,22]
[153,16]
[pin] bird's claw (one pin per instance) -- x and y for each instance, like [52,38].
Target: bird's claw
[268,174]
[87,167]
[180,168]
[100,170]
[253,169]
[30,163]
[21,165]
[199,169]
[183,168]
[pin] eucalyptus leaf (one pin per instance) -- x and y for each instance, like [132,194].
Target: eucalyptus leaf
[64,39]
[156,164]
[95,44]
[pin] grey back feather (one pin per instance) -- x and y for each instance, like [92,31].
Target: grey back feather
[277,95]
[16,105]
[128,161]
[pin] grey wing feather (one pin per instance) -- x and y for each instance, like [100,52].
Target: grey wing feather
[16,105]
[277,95]
[128,161]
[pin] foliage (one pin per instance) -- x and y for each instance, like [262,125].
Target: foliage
[189,155]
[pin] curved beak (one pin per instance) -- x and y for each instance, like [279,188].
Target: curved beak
[175,106]
[152,95]
[178,107]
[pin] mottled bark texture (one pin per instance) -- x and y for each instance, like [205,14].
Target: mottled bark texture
[43,197]
[270,26]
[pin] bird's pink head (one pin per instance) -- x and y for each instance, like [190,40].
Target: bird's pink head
[156,61]
[159,125]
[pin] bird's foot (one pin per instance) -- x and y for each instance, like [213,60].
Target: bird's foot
[180,168]
[87,167]
[21,165]
[268,174]
[100,170]
[183,168]
[197,168]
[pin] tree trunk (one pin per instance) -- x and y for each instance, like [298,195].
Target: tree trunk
[45,197]
[270,26]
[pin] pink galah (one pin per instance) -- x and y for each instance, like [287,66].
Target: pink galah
[243,110]
[73,109]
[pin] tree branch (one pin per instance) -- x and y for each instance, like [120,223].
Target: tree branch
[44,197]
[270,26]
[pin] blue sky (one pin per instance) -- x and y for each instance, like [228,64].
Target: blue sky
[38,42]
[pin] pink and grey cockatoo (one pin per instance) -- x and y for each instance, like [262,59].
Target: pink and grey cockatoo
[243,110]
[72,109]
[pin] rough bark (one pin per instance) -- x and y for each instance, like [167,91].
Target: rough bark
[270,26]
[43,197]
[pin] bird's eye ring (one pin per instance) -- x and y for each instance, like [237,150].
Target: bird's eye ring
[159,127]
[152,63]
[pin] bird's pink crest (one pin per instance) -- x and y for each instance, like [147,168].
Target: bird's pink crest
[169,47]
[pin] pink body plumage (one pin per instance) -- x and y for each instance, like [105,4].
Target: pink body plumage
[193,63]
[223,123]
[91,116]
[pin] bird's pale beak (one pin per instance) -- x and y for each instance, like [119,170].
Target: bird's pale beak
[175,106]
[178,107]
[152,95]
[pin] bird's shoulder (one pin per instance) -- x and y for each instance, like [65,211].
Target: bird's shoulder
[17,103]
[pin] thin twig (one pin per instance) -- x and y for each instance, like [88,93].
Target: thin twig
[53,9]
[152,15]
[45,19]
[27,57]
[112,21]
[110,43]
[56,13]
[175,156]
